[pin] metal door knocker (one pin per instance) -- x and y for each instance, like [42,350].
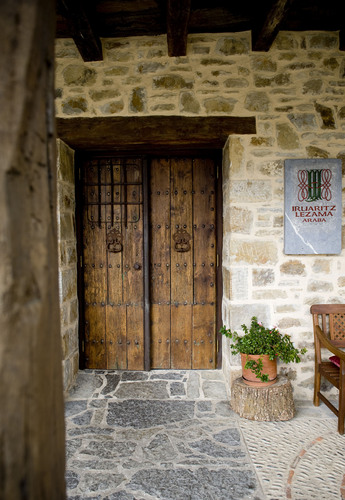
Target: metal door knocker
[114,241]
[182,240]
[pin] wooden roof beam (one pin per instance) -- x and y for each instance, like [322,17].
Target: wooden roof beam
[142,132]
[86,40]
[263,38]
[178,13]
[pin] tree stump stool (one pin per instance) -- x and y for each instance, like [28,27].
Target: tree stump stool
[271,403]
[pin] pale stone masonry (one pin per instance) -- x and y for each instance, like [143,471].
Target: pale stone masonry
[296,92]
[67,263]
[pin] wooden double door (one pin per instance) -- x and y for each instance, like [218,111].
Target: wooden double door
[148,263]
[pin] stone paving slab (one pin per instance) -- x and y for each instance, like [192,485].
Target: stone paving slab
[172,435]
[157,435]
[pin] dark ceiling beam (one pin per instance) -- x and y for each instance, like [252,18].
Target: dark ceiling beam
[178,13]
[139,133]
[86,40]
[263,36]
[342,39]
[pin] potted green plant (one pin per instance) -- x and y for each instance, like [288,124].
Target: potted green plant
[260,347]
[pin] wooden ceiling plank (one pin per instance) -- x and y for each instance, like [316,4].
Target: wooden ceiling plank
[151,131]
[84,36]
[178,13]
[264,35]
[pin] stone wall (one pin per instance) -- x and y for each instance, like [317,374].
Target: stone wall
[67,263]
[296,92]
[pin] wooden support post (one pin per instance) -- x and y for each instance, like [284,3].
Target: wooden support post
[271,403]
[32,456]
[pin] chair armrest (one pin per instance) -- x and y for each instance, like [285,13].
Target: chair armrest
[328,344]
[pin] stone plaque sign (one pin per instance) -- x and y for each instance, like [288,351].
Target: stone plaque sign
[312,221]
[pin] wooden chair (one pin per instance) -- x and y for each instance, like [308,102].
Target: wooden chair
[329,333]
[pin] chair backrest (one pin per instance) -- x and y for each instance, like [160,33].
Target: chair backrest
[331,319]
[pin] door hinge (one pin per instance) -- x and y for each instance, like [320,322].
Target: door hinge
[217,259]
[82,346]
[81,260]
[217,172]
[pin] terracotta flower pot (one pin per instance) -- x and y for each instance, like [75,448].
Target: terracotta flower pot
[269,367]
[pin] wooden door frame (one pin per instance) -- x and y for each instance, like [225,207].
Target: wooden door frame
[216,155]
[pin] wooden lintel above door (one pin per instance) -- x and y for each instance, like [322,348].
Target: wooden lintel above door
[138,133]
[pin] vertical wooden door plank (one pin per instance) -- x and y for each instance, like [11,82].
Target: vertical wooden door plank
[116,337]
[133,261]
[114,269]
[181,262]
[205,264]
[204,343]
[95,337]
[204,214]
[116,310]
[94,262]
[160,263]
[135,337]
[160,336]
[181,226]
[181,337]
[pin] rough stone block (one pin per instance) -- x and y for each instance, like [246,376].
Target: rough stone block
[285,41]
[313,87]
[326,115]
[113,107]
[241,220]
[65,162]
[232,46]
[250,191]
[314,152]
[74,106]
[287,137]
[285,323]
[69,284]
[254,252]
[219,105]
[73,310]
[321,266]
[150,67]
[323,41]
[239,284]
[257,101]
[280,80]
[236,154]
[66,227]
[171,82]
[272,168]
[116,71]
[101,95]
[320,286]
[293,267]
[269,294]
[263,63]
[303,121]
[78,74]
[137,102]
[236,83]
[263,277]
[188,103]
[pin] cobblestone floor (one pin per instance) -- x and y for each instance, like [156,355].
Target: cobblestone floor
[171,435]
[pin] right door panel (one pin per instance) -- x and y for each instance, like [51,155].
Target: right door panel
[183,263]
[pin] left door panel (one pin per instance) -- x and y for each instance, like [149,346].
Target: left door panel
[112,263]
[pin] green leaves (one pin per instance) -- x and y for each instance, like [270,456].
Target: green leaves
[258,339]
